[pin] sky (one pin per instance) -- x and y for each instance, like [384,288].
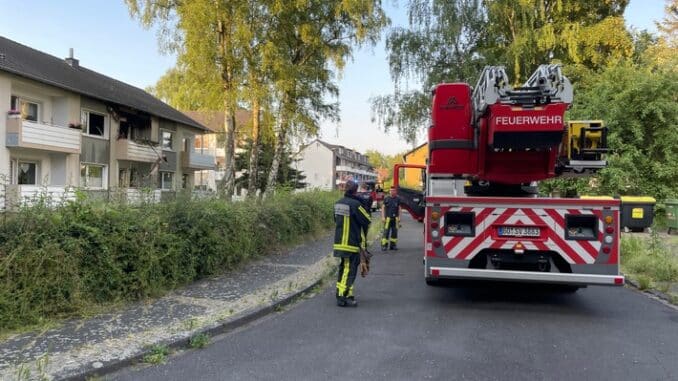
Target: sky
[105,39]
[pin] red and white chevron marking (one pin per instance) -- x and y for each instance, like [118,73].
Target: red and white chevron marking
[552,222]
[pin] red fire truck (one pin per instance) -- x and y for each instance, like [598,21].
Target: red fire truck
[500,141]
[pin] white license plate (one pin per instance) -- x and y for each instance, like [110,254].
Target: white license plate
[518,231]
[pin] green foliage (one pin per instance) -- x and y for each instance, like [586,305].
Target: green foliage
[380,160]
[57,262]
[640,108]
[450,41]
[440,45]
[648,258]
[199,341]
[157,354]
[287,175]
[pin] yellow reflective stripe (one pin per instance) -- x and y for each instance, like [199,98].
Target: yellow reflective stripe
[394,239]
[388,220]
[349,248]
[362,239]
[341,285]
[364,212]
[344,237]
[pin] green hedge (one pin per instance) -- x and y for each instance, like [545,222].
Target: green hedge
[58,262]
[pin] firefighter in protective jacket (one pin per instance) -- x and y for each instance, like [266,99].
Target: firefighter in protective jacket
[390,216]
[352,222]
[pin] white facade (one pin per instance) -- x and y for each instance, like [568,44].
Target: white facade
[329,166]
[44,151]
[41,156]
[317,164]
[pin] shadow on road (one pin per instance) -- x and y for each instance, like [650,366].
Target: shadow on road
[512,296]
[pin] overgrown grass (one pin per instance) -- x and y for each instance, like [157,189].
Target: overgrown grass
[157,354]
[649,260]
[62,262]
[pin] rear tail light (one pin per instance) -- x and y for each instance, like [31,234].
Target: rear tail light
[606,249]
[434,225]
[436,243]
[609,230]
[435,215]
[619,280]
[435,272]
[608,220]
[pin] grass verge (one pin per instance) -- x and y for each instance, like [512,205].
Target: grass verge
[652,262]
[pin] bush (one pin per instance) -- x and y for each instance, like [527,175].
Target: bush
[56,262]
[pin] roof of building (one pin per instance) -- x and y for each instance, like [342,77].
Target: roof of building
[336,148]
[413,150]
[27,62]
[214,120]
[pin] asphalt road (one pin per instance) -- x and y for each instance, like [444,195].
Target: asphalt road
[405,330]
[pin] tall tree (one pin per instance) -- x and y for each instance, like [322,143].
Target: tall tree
[586,35]
[313,37]
[452,40]
[208,36]
[441,44]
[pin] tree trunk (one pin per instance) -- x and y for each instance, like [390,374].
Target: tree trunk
[277,156]
[228,182]
[254,157]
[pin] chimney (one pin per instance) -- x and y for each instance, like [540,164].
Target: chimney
[70,60]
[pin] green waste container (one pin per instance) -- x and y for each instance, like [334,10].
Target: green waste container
[637,212]
[672,214]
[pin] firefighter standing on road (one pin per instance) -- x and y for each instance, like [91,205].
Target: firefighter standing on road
[390,216]
[352,222]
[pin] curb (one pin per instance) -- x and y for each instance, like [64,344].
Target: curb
[650,292]
[184,343]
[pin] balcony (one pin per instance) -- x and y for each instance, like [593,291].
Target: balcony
[197,161]
[345,168]
[126,149]
[25,195]
[27,134]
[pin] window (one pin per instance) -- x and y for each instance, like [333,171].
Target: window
[184,181]
[167,138]
[166,180]
[27,173]
[93,124]
[134,178]
[28,109]
[92,176]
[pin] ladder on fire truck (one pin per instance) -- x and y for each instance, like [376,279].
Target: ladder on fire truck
[584,143]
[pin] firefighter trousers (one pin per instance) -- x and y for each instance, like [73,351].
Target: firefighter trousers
[390,235]
[348,269]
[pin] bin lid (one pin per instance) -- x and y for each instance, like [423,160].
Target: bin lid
[596,197]
[643,199]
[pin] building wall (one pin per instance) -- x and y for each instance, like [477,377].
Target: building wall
[417,156]
[60,107]
[317,164]
[56,107]
[5,95]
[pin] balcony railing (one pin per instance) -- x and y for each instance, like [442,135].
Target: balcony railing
[24,195]
[197,161]
[27,134]
[126,149]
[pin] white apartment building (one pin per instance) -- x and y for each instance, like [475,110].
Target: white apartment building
[328,166]
[66,126]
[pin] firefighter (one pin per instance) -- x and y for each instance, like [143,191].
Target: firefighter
[390,217]
[352,222]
